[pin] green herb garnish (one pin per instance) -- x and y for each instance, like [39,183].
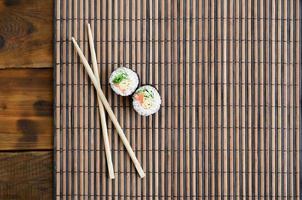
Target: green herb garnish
[140,90]
[118,78]
[148,94]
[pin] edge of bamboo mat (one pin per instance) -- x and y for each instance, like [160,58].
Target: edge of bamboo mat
[300,88]
[55,97]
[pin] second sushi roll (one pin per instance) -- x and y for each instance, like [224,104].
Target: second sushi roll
[146,100]
[123,81]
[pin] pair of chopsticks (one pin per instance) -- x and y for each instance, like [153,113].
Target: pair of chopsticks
[103,103]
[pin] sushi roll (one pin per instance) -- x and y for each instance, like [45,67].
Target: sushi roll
[146,100]
[123,81]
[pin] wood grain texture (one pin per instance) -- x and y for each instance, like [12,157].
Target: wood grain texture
[26,109]
[26,33]
[229,76]
[26,175]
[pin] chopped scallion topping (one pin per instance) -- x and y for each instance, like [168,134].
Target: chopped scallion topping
[118,78]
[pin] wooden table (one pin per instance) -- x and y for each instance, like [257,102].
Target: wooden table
[26,134]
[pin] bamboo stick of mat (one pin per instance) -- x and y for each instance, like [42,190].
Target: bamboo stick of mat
[109,110]
[101,107]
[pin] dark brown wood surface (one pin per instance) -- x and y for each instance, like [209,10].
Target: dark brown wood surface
[26,94]
[26,175]
[26,33]
[26,109]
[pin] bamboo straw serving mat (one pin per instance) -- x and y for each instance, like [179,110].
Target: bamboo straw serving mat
[229,76]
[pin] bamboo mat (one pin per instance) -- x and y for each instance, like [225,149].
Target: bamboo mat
[229,76]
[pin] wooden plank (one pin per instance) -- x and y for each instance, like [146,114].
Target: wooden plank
[26,109]
[26,33]
[26,175]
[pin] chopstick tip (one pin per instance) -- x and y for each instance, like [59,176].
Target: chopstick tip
[142,174]
[73,41]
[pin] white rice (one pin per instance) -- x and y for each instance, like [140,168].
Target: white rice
[131,76]
[156,102]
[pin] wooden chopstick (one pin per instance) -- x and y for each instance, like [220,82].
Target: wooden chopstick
[109,110]
[101,107]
